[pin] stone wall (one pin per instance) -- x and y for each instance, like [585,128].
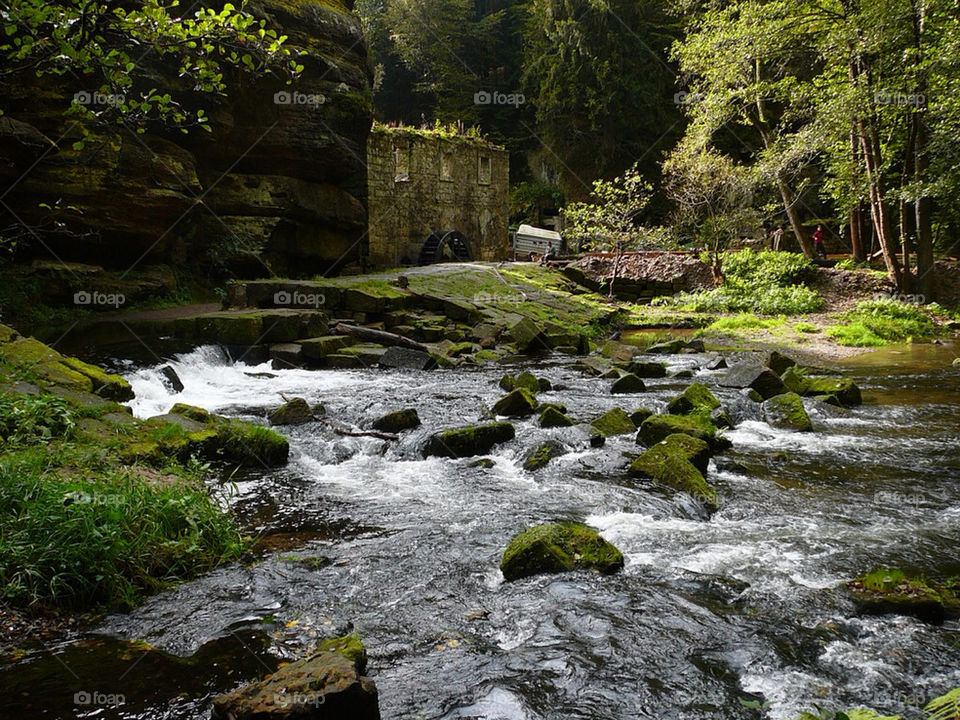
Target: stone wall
[421,181]
[275,187]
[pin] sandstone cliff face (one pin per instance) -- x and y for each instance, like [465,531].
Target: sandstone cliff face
[276,187]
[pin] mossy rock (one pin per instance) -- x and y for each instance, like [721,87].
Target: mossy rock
[890,591]
[645,369]
[295,411]
[613,422]
[639,415]
[669,347]
[350,646]
[37,359]
[108,385]
[778,362]
[244,443]
[551,417]
[542,455]
[751,375]
[516,403]
[679,461]
[628,384]
[525,380]
[795,380]
[658,427]
[469,441]
[398,421]
[559,547]
[191,411]
[229,328]
[846,391]
[786,412]
[696,397]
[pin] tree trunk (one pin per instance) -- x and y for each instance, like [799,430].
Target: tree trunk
[878,205]
[856,208]
[789,204]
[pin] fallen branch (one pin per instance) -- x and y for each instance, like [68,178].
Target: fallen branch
[340,430]
[381,337]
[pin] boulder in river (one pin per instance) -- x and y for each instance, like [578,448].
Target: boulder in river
[846,391]
[778,362]
[786,412]
[697,397]
[559,547]
[551,417]
[526,380]
[669,347]
[397,421]
[639,415]
[516,403]
[527,335]
[613,422]
[542,455]
[628,384]
[756,377]
[646,369]
[325,686]
[469,441]
[171,381]
[295,411]
[407,358]
[719,363]
[679,461]
[658,427]
[890,591]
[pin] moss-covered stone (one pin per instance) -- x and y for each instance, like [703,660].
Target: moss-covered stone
[191,411]
[526,380]
[542,455]
[639,415]
[628,384]
[757,377]
[469,441]
[244,443]
[551,417]
[613,422]
[350,646]
[679,461]
[846,391]
[646,369]
[795,380]
[778,362]
[696,397]
[319,347]
[786,412]
[892,591]
[398,421]
[36,359]
[559,547]
[658,427]
[108,385]
[295,411]
[516,403]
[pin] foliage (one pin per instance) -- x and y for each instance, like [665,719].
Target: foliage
[777,268]
[106,42]
[873,323]
[610,221]
[804,327]
[945,707]
[526,199]
[32,419]
[743,321]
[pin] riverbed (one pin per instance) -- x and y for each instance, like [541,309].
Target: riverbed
[364,534]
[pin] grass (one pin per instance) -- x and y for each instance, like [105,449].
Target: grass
[805,327]
[79,530]
[744,321]
[873,323]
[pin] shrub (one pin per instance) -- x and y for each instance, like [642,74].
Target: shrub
[743,321]
[31,419]
[877,322]
[805,327]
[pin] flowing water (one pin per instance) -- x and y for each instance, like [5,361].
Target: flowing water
[709,611]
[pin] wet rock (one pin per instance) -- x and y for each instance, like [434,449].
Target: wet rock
[468,441]
[516,403]
[683,374]
[757,377]
[613,422]
[486,463]
[527,336]
[397,421]
[718,364]
[639,415]
[324,686]
[542,455]
[618,352]
[559,547]
[644,369]
[551,417]
[720,418]
[407,358]
[696,397]
[319,347]
[526,380]
[657,428]
[795,380]
[778,362]
[628,384]
[691,347]
[295,411]
[670,347]
[786,412]
[752,395]
[824,409]
[171,381]
[679,461]
[597,440]
[846,391]
[893,592]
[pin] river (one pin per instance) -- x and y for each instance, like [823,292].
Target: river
[709,611]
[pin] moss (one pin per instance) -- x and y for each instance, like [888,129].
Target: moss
[613,422]
[108,385]
[229,328]
[628,384]
[543,455]
[559,547]
[44,363]
[795,380]
[526,380]
[640,414]
[295,411]
[551,417]
[516,403]
[846,391]
[350,646]
[697,397]
[192,412]
[656,428]
[680,462]
[893,591]
[786,411]
[247,444]
[468,441]
[398,421]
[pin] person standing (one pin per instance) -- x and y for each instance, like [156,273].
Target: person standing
[818,242]
[776,238]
